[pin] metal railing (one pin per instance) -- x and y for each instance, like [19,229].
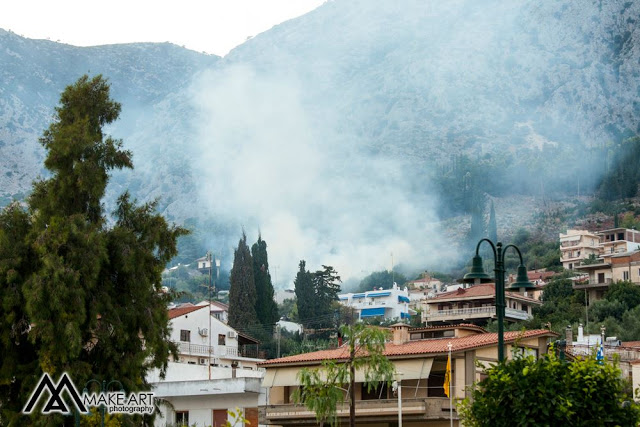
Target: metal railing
[477,312]
[382,409]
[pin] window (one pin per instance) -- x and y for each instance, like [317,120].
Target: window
[182,418]
[625,275]
[222,339]
[620,236]
[185,335]
[379,392]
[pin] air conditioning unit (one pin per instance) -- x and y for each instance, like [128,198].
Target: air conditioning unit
[232,334]
[203,332]
[202,361]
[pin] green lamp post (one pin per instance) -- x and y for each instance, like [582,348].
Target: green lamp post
[478,275]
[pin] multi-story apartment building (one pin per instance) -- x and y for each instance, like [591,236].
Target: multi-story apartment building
[612,268]
[217,371]
[475,304]
[420,359]
[577,245]
[617,241]
[384,303]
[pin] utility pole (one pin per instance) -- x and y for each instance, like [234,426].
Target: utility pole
[209,332]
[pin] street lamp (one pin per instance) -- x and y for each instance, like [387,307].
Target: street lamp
[477,275]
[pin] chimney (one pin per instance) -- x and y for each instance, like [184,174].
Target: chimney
[400,333]
[580,333]
[568,335]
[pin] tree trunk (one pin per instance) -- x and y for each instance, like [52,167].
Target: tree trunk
[352,386]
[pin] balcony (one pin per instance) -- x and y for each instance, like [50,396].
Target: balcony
[381,411]
[475,313]
[245,351]
[596,284]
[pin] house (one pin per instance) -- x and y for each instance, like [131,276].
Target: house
[476,304]
[383,303]
[219,310]
[626,354]
[577,245]
[611,268]
[539,278]
[217,371]
[420,356]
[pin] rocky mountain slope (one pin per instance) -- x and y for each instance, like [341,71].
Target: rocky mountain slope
[336,125]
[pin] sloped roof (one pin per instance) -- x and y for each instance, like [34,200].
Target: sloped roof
[181,311]
[412,348]
[630,344]
[477,291]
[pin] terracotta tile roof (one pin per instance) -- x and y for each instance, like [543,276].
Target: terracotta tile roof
[417,347]
[177,312]
[476,291]
[630,344]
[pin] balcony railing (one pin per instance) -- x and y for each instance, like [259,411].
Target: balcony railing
[476,312]
[384,410]
[194,349]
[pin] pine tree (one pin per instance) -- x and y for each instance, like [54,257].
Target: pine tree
[305,294]
[242,291]
[326,283]
[76,295]
[492,227]
[266,307]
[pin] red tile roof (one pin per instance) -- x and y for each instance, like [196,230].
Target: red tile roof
[417,347]
[630,344]
[475,291]
[177,312]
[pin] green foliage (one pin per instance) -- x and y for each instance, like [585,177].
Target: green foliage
[323,388]
[315,296]
[266,307]
[242,294]
[77,295]
[381,279]
[548,391]
[623,171]
[537,251]
[627,293]
[303,284]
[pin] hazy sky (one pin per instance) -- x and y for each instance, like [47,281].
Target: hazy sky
[212,26]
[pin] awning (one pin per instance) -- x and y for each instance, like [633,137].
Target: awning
[378,294]
[405,315]
[412,369]
[372,312]
[358,296]
[280,377]
[402,298]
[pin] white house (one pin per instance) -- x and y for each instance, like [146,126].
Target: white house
[216,372]
[219,310]
[386,303]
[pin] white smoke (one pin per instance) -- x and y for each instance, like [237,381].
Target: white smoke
[268,163]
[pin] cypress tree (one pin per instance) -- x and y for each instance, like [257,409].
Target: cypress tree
[266,307]
[76,295]
[304,289]
[242,291]
[492,227]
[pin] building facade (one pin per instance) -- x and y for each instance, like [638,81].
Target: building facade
[420,357]
[217,371]
[577,245]
[475,304]
[384,303]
